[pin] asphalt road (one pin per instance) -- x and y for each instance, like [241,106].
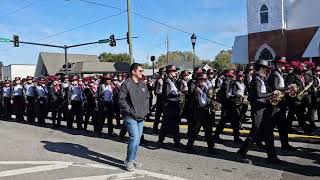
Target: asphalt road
[32,152]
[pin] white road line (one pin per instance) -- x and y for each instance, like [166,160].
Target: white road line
[129,175]
[118,176]
[100,166]
[31,170]
[34,162]
[53,165]
[160,176]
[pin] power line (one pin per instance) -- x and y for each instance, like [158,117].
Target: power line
[81,26]
[75,28]
[156,21]
[183,31]
[21,8]
[104,5]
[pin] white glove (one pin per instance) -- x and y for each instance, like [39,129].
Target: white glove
[11,101]
[69,107]
[27,102]
[41,102]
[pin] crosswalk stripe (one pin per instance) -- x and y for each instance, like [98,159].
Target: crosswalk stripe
[32,170]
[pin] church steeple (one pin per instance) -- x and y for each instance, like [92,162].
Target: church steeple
[267,15]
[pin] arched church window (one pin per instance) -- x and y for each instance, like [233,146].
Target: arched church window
[264,14]
[266,55]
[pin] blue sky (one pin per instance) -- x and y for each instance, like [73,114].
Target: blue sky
[217,20]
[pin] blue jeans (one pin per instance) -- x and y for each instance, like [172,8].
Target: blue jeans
[135,130]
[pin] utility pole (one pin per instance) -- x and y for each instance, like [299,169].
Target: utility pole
[167,44]
[66,59]
[129,30]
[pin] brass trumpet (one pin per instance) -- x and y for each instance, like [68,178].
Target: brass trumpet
[276,98]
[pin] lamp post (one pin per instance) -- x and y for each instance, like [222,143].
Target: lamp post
[153,58]
[193,41]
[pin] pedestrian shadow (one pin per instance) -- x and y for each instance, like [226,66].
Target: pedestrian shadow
[82,152]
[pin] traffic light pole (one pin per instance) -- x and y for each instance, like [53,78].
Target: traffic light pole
[66,59]
[129,30]
[65,47]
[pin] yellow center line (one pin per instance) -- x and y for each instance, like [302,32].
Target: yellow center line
[292,136]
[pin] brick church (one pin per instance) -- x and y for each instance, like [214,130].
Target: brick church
[278,28]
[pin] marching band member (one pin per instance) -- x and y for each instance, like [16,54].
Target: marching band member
[41,101]
[29,89]
[7,95]
[18,99]
[262,128]
[171,98]
[278,115]
[201,114]
[76,100]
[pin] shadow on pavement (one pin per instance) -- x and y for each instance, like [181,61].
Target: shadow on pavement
[82,152]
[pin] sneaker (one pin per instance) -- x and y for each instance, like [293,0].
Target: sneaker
[129,166]
[137,164]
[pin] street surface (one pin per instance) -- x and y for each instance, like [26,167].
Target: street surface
[33,152]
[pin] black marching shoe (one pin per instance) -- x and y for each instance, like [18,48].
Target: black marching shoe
[274,160]
[178,145]
[237,140]
[288,148]
[218,140]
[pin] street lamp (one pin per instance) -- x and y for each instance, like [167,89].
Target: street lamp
[193,41]
[153,58]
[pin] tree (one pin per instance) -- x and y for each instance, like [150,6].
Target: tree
[223,60]
[176,56]
[118,58]
[146,66]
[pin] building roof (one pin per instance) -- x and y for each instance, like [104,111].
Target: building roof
[183,65]
[53,62]
[240,50]
[97,67]
[313,47]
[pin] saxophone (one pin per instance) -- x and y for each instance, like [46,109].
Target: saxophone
[304,92]
[215,106]
[244,100]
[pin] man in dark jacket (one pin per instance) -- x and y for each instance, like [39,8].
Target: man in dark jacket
[134,105]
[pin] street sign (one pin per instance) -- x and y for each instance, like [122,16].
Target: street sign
[104,41]
[4,40]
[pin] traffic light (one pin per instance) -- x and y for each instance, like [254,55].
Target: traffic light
[153,58]
[112,41]
[15,41]
[128,37]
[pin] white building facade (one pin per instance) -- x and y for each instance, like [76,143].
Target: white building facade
[278,28]
[17,70]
